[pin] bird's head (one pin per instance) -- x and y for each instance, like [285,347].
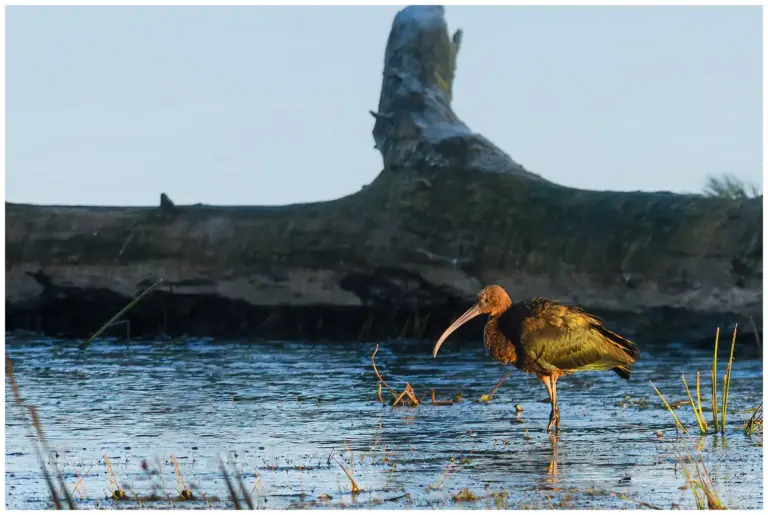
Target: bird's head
[492,300]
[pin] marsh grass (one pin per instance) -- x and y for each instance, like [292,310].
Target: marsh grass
[465,495]
[449,469]
[62,499]
[413,401]
[409,395]
[80,484]
[41,447]
[695,471]
[235,494]
[116,492]
[697,411]
[677,420]
[355,489]
[754,424]
[702,487]
[727,381]
[718,411]
[181,485]
[729,186]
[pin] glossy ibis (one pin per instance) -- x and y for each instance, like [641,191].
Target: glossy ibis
[546,338]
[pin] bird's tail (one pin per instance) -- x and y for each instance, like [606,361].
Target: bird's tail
[629,348]
[628,352]
[623,372]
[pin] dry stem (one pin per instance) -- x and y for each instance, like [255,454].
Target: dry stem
[493,392]
[440,403]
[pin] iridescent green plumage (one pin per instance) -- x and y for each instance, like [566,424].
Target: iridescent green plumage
[549,336]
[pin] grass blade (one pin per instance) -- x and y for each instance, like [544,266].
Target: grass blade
[754,423]
[121,313]
[727,379]
[230,487]
[689,478]
[41,446]
[677,420]
[699,421]
[698,398]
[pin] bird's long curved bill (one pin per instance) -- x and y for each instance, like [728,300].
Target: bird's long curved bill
[463,319]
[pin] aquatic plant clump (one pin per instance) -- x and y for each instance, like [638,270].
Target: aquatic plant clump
[701,484]
[698,411]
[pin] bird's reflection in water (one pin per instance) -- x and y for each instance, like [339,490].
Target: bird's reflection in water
[552,467]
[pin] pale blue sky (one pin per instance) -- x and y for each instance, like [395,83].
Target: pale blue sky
[269,105]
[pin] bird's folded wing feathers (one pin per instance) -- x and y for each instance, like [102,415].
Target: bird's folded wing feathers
[562,349]
[566,340]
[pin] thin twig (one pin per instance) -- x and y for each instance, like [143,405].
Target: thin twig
[411,394]
[440,403]
[625,497]
[399,398]
[184,492]
[80,483]
[373,360]
[493,392]
[117,493]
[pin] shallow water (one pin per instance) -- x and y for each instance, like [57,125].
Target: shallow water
[275,411]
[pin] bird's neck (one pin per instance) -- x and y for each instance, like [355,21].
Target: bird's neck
[500,347]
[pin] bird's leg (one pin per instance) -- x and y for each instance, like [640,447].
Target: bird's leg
[554,403]
[548,383]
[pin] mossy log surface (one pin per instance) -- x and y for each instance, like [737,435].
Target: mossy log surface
[399,258]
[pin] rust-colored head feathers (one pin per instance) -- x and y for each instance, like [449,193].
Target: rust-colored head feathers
[492,300]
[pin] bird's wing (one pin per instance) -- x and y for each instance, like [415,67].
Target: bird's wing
[557,337]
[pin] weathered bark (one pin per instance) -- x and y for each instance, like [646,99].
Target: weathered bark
[415,125]
[402,256]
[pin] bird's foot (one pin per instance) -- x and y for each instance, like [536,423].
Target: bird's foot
[554,420]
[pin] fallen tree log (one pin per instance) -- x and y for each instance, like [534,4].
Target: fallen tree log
[449,213]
